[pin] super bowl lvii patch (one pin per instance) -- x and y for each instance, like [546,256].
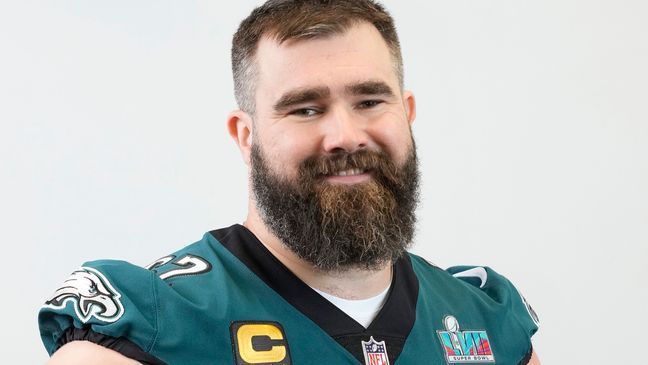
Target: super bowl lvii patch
[471,346]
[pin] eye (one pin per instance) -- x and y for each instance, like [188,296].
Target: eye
[368,104]
[305,112]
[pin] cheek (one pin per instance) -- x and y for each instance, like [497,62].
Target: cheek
[287,149]
[395,138]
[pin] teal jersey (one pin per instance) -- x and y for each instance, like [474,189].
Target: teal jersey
[227,300]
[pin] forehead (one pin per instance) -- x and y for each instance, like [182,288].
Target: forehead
[357,55]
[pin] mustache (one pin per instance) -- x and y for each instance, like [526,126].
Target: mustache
[375,162]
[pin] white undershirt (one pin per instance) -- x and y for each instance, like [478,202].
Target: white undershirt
[362,311]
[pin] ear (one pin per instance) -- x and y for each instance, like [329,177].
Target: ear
[410,106]
[240,126]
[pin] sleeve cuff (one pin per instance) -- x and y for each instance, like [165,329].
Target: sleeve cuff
[120,344]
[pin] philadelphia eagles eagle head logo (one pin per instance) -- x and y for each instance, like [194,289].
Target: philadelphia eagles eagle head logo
[91,294]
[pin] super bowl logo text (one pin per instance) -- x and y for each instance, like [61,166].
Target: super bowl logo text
[464,346]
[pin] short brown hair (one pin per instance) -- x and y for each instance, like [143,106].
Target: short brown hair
[302,19]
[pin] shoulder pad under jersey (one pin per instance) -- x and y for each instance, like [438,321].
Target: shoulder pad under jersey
[499,289]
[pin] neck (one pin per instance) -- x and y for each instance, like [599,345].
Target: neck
[352,283]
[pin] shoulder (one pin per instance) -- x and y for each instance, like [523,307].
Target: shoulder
[466,300]
[117,304]
[96,291]
[498,288]
[479,283]
[101,302]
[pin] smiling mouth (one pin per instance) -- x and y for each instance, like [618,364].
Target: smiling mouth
[349,176]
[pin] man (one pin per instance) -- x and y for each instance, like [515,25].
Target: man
[318,272]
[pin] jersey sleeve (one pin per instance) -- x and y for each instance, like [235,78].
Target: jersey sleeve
[111,303]
[500,289]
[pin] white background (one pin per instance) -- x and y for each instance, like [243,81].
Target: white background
[532,132]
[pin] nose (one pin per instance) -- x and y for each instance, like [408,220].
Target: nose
[344,133]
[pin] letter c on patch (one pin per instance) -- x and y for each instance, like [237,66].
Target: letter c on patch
[259,343]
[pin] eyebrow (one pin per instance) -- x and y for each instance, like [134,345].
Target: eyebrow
[370,88]
[300,96]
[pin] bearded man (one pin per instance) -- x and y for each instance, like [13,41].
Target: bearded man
[319,272]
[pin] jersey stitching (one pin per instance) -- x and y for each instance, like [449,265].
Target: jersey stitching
[156,312]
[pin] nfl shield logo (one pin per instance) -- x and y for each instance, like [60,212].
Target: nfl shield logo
[375,353]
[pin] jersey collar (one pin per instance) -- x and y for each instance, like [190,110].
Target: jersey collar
[393,323]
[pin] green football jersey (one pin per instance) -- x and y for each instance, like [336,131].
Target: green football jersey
[227,300]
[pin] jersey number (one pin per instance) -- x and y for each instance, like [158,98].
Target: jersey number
[184,265]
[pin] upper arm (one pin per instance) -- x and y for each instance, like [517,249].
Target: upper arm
[88,353]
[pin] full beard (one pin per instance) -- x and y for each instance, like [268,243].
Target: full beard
[337,227]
